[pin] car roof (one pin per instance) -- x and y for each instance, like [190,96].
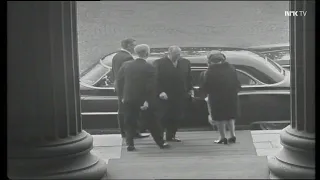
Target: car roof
[239,57]
[199,59]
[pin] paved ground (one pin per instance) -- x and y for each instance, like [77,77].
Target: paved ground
[101,25]
[267,143]
[251,149]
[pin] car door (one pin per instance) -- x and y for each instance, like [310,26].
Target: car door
[196,113]
[261,103]
[99,103]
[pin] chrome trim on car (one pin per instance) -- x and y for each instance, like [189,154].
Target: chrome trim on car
[274,122]
[264,92]
[100,98]
[200,67]
[278,50]
[259,92]
[93,87]
[270,46]
[99,113]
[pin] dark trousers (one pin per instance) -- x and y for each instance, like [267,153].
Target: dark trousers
[120,118]
[132,112]
[170,115]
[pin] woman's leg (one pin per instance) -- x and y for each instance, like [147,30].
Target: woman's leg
[231,127]
[222,129]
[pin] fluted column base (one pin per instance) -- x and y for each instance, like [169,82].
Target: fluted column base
[68,158]
[297,158]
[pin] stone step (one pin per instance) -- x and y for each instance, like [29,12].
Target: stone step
[193,167]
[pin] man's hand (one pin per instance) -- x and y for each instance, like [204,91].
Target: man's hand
[122,100]
[145,106]
[163,96]
[191,93]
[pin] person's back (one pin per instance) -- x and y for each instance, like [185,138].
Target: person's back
[118,60]
[222,81]
[137,80]
[122,56]
[136,87]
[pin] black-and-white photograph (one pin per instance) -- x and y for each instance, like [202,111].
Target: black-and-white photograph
[161,89]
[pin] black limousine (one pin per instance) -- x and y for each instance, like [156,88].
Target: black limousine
[264,98]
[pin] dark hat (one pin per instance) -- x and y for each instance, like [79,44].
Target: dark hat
[216,56]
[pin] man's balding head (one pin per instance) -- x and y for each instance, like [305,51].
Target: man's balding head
[142,50]
[128,44]
[174,53]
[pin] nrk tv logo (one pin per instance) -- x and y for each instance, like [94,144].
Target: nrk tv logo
[295,13]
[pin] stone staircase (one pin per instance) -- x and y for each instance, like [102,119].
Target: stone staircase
[194,158]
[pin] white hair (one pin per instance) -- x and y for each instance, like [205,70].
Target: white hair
[142,50]
[174,50]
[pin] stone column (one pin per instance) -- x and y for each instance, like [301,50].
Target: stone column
[297,158]
[45,136]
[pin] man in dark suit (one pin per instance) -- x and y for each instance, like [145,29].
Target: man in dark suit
[174,87]
[124,55]
[136,88]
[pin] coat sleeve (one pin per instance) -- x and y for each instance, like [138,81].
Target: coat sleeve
[116,65]
[189,77]
[158,81]
[119,82]
[150,84]
[237,82]
[203,85]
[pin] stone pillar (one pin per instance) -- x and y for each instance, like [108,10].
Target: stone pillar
[45,136]
[297,158]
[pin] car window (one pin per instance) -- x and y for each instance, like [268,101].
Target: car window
[100,75]
[242,77]
[195,73]
[108,79]
[95,75]
[245,79]
[274,65]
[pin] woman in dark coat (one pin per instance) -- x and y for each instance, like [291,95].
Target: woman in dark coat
[221,84]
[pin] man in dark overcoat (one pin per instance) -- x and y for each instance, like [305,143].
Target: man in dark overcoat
[124,55]
[174,87]
[136,88]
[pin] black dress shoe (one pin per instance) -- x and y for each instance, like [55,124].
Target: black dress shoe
[232,140]
[173,140]
[164,146]
[131,148]
[140,135]
[221,141]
